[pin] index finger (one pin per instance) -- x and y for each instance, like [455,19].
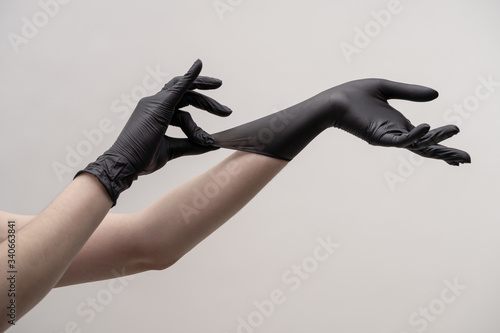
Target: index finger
[183,84]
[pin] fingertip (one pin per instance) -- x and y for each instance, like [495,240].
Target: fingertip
[198,62]
[215,83]
[226,112]
[184,83]
[446,132]
[457,157]
[425,94]
[421,130]
[410,92]
[425,126]
[206,83]
[466,158]
[195,69]
[412,136]
[433,94]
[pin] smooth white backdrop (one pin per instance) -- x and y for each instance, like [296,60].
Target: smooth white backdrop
[399,243]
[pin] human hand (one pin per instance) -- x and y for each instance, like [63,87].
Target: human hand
[363,110]
[142,147]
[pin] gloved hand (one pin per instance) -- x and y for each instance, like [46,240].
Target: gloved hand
[142,147]
[363,111]
[358,107]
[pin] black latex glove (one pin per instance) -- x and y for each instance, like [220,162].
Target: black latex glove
[142,147]
[358,107]
[364,112]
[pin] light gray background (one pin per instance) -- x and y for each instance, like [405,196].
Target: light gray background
[398,245]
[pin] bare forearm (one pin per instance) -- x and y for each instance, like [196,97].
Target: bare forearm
[157,236]
[185,216]
[48,244]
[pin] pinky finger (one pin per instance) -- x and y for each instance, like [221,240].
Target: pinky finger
[451,156]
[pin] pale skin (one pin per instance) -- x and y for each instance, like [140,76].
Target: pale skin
[77,248]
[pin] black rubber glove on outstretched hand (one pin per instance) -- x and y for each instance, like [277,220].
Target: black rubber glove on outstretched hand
[358,107]
[142,147]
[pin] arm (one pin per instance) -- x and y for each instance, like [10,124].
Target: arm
[50,241]
[156,237]
[46,246]
[159,235]
[163,232]
[359,107]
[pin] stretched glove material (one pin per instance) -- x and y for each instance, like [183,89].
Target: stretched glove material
[358,107]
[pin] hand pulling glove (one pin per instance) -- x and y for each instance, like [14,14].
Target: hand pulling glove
[358,107]
[142,146]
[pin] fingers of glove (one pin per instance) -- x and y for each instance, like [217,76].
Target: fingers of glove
[185,82]
[203,102]
[166,100]
[410,92]
[184,120]
[206,83]
[451,156]
[201,82]
[184,147]
[180,84]
[435,136]
[393,139]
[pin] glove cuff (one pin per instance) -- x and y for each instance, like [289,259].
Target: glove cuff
[113,172]
[283,134]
